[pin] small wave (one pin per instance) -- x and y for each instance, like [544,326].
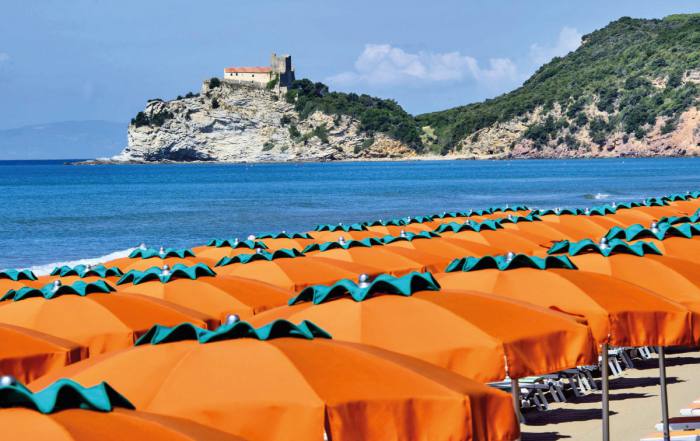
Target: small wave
[597,196]
[43,270]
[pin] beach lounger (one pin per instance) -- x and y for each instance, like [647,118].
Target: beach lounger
[681,435]
[681,423]
[693,409]
[613,362]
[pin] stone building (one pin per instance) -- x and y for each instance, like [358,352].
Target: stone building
[280,67]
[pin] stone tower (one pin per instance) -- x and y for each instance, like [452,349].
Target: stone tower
[282,66]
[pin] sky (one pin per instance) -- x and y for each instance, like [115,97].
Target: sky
[101,59]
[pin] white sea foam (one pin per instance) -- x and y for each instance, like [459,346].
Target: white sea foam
[597,196]
[42,270]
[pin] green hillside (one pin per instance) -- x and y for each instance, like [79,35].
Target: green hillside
[621,79]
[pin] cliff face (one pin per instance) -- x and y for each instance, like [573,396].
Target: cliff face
[508,140]
[238,123]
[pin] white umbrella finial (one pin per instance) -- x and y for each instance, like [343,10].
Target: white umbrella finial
[7,380]
[364,280]
[232,319]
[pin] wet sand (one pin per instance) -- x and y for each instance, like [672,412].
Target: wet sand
[635,406]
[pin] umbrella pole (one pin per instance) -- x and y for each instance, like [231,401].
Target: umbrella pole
[606,391]
[515,393]
[664,393]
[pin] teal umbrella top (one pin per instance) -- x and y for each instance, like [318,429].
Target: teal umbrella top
[409,237]
[508,262]
[283,235]
[343,244]
[382,284]
[604,247]
[284,253]
[340,227]
[61,395]
[446,214]
[17,275]
[695,217]
[159,334]
[656,231]
[166,274]
[56,289]
[83,271]
[506,208]
[236,244]
[469,225]
[655,202]
[149,253]
[558,211]
[510,219]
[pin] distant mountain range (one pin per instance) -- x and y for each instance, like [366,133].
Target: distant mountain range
[63,140]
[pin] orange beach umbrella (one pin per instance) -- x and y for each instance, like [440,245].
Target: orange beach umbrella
[291,388]
[295,273]
[214,297]
[99,322]
[618,312]
[117,425]
[27,354]
[467,332]
[676,279]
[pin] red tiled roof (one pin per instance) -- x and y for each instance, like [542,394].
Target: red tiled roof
[248,69]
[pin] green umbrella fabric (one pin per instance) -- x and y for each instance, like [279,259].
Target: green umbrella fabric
[283,235]
[508,262]
[178,271]
[340,227]
[284,253]
[384,283]
[658,232]
[614,246]
[387,223]
[510,219]
[627,205]
[695,217]
[17,275]
[408,237]
[506,208]
[61,395]
[159,334]
[365,243]
[676,197]
[655,202]
[558,211]
[235,243]
[419,219]
[470,225]
[446,214]
[53,290]
[150,253]
[83,271]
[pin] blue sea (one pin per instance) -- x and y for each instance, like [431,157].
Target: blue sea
[51,212]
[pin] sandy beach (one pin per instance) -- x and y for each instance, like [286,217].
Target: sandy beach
[634,403]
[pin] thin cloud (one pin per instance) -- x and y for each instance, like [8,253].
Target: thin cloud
[383,64]
[386,65]
[569,40]
[4,57]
